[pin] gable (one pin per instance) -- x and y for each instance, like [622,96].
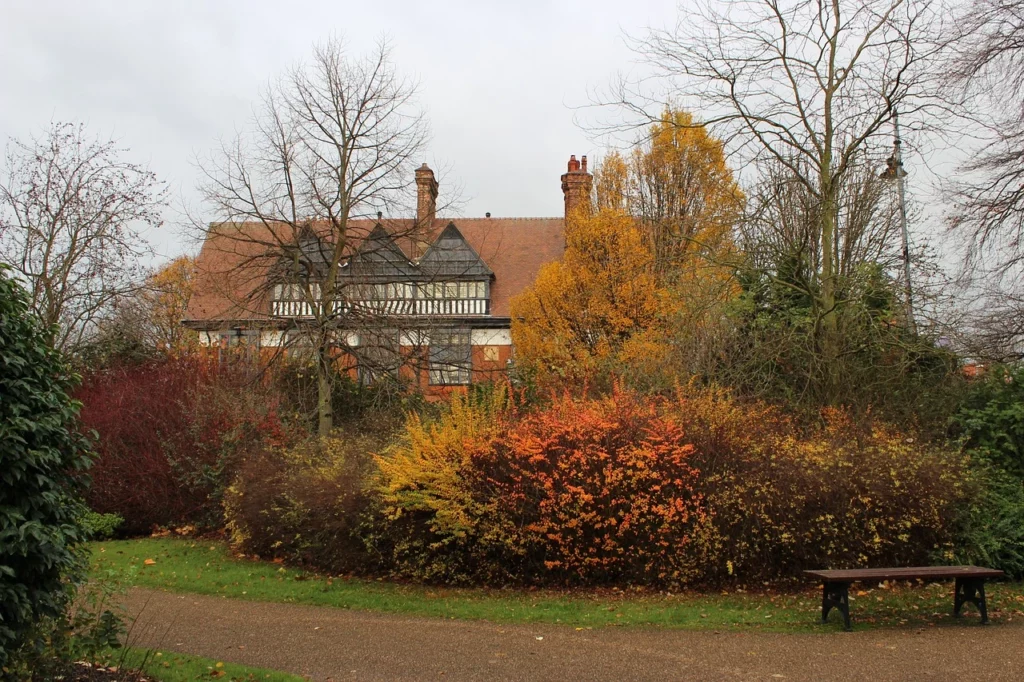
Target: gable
[452,256]
[379,257]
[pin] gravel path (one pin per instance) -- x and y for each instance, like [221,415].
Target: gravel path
[334,644]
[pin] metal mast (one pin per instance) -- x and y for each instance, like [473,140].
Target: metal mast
[895,172]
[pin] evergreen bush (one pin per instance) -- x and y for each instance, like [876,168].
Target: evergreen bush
[42,459]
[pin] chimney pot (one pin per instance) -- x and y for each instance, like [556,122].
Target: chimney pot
[380,215]
[584,160]
[488,214]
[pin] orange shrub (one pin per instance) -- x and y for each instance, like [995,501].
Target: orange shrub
[701,489]
[583,491]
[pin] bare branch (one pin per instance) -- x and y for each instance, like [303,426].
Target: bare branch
[71,212]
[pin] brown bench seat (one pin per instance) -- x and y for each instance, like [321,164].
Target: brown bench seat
[970,585]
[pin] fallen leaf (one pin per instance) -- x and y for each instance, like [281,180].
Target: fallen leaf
[149,562]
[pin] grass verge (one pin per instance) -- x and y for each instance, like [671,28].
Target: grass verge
[207,567]
[166,666]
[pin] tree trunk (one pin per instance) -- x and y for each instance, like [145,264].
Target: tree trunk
[325,413]
[828,328]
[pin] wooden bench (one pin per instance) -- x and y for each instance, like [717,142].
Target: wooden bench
[970,585]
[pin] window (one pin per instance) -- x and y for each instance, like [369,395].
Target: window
[454,290]
[388,291]
[450,357]
[240,337]
[298,343]
[377,356]
[295,292]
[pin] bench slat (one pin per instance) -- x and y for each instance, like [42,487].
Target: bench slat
[858,574]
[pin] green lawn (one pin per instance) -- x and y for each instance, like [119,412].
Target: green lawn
[207,567]
[173,667]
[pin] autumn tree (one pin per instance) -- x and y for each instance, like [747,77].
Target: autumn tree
[72,212]
[805,84]
[156,310]
[165,302]
[682,195]
[597,309]
[676,182]
[334,141]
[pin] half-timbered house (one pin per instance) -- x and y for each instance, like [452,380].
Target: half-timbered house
[424,297]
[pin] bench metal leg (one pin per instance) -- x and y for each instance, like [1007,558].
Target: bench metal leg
[836,595]
[970,591]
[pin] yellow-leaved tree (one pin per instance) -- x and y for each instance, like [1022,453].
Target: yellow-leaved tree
[678,187]
[588,314]
[166,303]
[641,290]
[677,183]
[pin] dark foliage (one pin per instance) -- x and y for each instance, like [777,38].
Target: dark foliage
[992,418]
[42,457]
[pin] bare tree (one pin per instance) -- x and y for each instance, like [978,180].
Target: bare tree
[71,211]
[809,85]
[988,66]
[782,222]
[882,362]
[300,195]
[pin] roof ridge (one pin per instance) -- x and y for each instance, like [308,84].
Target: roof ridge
[493,217]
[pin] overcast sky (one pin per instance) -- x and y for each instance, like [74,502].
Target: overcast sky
[168,79]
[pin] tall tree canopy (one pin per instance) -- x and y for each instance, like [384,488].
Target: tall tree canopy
[677,183]
[807,85]
[597,308]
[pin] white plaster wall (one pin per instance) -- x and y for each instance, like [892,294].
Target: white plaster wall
[414,338]
[491,337]
[271,339]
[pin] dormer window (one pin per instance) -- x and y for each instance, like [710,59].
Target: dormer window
[296,292]
[454,290]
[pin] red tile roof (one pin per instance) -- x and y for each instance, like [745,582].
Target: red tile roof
[235,258]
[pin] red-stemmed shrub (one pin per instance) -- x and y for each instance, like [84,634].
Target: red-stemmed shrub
[169,434]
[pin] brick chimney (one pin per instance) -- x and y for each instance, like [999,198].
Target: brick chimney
[576,185]
[426,196]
